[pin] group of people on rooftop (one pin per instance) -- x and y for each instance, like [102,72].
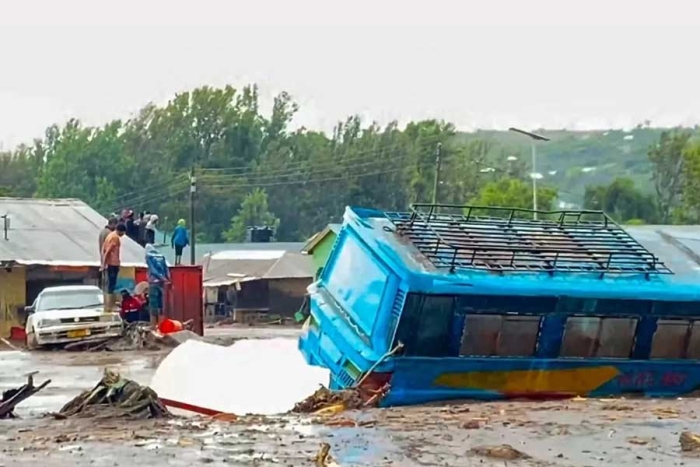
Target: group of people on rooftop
[142,231]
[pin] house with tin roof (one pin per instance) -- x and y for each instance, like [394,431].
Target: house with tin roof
[50,242]
[256,283]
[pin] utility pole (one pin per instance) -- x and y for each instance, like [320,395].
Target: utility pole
[534,179]
[438,166]
[534,138]
[193,232]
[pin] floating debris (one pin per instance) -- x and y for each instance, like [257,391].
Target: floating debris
[323,458]
[638,441]
[503,452]
[115,397]
[13,397]
[474,423]
[327,402]
[690,442]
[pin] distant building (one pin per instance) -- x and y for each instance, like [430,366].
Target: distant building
[253,284]
[320,245]
[48,242]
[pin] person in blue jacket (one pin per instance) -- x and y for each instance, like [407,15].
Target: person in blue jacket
[158,279]
[179,240]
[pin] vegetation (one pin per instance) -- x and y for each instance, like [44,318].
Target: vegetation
[252,167]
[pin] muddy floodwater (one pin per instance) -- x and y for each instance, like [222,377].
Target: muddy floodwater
[579,432]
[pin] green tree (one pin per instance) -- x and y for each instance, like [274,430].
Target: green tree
[668,163]
[254,212]
[515,193]
[622,200]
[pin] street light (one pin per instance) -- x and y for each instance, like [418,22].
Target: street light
[534,137]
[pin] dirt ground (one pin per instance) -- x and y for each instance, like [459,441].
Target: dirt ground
[563,433]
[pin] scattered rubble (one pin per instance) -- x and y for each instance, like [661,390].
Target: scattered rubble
[330,401]
[138,336]
[502,452]
[12,397]
[115,397]
[323,458]
[639,441]
[690,442]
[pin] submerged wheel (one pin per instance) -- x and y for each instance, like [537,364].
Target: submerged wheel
[31,341]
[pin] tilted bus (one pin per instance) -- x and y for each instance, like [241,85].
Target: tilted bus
[455,302]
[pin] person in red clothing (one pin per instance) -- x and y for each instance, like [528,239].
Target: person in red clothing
[132,308]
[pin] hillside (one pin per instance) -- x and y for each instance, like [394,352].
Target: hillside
[574,159]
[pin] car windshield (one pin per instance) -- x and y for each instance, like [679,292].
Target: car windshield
[70,299]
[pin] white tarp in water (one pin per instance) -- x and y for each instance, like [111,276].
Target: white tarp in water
[266,376]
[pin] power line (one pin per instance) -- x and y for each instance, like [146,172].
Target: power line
[311,169]
[324,171]
[293,169]
[302,182]
[150,187]
[150,195]
[369,152]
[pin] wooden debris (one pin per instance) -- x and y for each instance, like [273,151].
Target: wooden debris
[324,398]
[115,397]
[503,452]
[323,458]
[638,441]
[690,442]
[12,397]
[474,423]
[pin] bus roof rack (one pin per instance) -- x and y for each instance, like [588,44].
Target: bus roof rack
[523,240]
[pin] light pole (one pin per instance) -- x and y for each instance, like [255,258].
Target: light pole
[533,137]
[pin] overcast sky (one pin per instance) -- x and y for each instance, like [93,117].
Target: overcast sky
[487,64]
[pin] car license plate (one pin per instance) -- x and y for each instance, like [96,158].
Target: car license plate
[78,333]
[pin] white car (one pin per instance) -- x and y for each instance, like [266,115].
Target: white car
[61,315]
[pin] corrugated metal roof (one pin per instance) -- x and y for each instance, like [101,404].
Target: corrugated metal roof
[57,232]
[206,248]
[678,246]
[222,269]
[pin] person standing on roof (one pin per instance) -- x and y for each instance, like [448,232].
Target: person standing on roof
[179,240]
[142,228]
[111,261]
[132,230]
[109,228]
[151,229]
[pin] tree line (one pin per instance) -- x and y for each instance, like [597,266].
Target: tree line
[253,168]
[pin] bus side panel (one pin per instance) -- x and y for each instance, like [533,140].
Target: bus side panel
[419,380]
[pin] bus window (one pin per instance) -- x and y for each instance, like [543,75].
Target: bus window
[669,339]
[480,337]
[518,336]
[694,342]
[616,337]
[580,337]
[434,329]
[598,337]
[505,336]
[425,325]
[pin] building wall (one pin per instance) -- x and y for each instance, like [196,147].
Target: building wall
[287,295]
[322,251]
[12,298]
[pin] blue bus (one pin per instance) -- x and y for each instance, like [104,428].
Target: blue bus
[461,302]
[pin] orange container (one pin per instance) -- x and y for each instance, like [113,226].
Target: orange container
[168,326]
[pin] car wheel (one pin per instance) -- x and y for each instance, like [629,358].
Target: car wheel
[31,341]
